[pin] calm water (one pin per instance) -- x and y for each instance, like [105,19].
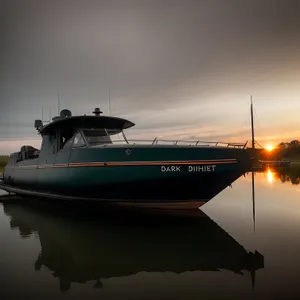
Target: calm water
[57,252]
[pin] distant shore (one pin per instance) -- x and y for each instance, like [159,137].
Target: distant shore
[3,160]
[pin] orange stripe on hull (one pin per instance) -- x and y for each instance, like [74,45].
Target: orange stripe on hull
[168,163]
[133,163]
[154,163]
[45,166]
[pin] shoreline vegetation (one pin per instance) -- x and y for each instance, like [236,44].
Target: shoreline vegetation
[3,160]
[283,151]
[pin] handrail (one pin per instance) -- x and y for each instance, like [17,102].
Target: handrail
[198,143]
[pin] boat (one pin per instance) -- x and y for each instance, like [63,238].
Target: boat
[263,165]
[92,247]
[89,157]
[275,163]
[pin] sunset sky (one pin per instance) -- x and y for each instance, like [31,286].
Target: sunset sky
[177,69]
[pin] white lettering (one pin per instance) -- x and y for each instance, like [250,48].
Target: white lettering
[202,168]
[170,169]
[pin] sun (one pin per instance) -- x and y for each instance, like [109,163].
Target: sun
[269,148]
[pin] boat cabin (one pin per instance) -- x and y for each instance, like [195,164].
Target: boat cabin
[67,131]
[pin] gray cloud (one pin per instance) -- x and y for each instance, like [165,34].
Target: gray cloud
[155,56]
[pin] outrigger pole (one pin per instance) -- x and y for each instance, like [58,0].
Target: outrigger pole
[253,151]
[252,126]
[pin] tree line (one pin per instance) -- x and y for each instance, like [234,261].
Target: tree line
[3,160]
[284,150]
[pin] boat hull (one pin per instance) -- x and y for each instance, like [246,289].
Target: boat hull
[135,181]
[170,193]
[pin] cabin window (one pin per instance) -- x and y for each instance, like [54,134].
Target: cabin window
[68,144]
[27,152]
[97,137]
[66,139]
[78,141]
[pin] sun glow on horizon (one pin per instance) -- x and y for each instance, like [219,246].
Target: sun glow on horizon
[269,147]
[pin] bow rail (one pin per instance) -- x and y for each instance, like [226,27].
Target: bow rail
[198,143]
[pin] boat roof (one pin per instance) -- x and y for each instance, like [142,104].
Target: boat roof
[74,122]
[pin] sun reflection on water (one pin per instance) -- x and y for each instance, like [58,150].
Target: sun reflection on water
[270,176]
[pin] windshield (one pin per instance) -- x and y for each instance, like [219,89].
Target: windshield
[103,136]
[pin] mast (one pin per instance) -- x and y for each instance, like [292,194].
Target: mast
[58,104]
[252,126]
[253,151]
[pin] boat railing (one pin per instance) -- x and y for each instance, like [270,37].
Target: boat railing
[198,143]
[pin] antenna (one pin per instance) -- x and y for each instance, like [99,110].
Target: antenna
[58,104]
[252,126]
[253,151]
[42,112]
[109,101]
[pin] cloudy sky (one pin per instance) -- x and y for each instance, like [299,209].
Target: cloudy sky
[177,69]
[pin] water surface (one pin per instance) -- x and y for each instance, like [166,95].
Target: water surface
[54,251]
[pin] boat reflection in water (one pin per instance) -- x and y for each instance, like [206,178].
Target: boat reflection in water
[84,247]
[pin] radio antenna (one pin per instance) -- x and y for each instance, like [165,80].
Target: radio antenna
[58,103]
[109,101]
[252,126]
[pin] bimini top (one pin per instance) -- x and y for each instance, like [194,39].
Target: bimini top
[66,121]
